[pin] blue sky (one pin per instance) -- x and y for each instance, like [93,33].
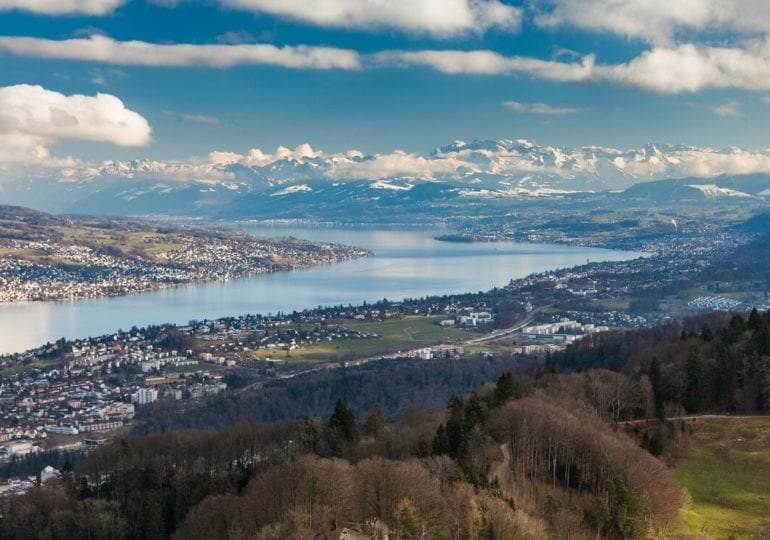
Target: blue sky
[704,85]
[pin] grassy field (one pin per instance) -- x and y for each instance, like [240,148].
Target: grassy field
[727,474]
[142,240]
[39,364]
[397,335]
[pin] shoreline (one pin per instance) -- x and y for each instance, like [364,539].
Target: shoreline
[159,286]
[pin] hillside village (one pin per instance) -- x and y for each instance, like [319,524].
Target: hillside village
[70,392]
[46,257]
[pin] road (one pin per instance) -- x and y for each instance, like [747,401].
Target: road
[506,331]
[351,363]
[692,417]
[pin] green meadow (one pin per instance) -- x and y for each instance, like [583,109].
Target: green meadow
[727,474]
[394,335]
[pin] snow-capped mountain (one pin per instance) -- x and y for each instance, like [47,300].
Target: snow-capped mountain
[469,171]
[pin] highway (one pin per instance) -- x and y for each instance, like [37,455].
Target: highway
[506,331]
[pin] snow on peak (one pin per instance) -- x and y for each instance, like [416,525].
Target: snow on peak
[713,191]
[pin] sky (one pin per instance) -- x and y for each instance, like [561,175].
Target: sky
[82,81]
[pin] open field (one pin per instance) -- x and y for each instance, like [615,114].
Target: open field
[38,364]
[396,335]
[727,474]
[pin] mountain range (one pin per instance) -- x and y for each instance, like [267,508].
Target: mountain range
[307,183]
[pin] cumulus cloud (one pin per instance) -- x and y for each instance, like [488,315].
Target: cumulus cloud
[506,160]
[32,117]
[98,48]
[218,157]
[708,162]
[684,68]
[696,44]
[259,158]
[539,108]
[440,18]
[689,68]
[658,21]
[63,7]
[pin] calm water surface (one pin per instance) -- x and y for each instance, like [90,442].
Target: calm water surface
[405,264]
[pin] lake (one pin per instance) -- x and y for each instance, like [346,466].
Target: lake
[406,264]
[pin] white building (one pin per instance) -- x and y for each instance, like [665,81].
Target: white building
[18,448]
[48,473]
[143,396]
[476,318]
[62,430]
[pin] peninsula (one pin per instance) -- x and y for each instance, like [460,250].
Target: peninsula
[47,257]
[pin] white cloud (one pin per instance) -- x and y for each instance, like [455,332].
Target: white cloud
[258,158]
[395,164]
[103,76]
[708,162]
[200,118]
[682,68]
[504,162]
[63,7]
[539,108]
[440,18]
[97,48]
[658,21]
[223,157]
[728,108]
[32,117]
[689,68]
[483,62]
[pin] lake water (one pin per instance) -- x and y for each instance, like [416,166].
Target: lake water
[406,264]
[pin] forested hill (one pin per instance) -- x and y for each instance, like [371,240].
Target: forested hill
[397,385]
[716,363]
[569,449]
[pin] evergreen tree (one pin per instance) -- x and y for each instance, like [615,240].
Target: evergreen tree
[656,381]
[734,330]
[455,425]
[706,334]
[695,376]
[440,445]
[505,388]
[760,340]
[375,422]
[343,431]
[724,379]
[475,412]
[755,320]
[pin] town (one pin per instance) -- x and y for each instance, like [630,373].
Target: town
[44,257]
[77,392]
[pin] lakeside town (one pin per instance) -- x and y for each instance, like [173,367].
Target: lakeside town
[78,390]
[46,258]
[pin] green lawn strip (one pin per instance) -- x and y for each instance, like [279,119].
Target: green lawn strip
[395,335]
[727,474]
[38,364]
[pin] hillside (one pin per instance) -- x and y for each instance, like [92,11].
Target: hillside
[725,475]
[47,257]
[569,449]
